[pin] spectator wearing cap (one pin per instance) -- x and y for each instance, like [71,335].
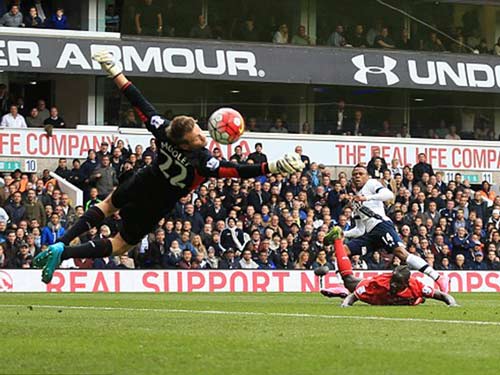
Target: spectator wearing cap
[228,261]
[13,18]
[104,177]
[477,264]
[13,119]
[23,258]
[258,156]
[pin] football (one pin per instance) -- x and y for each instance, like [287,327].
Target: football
[226,125]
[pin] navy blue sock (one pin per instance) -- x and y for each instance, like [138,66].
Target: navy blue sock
[90,219]
[93,249]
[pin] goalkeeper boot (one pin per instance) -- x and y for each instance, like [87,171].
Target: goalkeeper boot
[444,283]
[41,259]
[338,291]
[53,261]
[334,234]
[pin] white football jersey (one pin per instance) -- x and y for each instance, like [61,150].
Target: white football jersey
[372,212]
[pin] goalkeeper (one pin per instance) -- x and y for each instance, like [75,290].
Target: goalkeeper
[144,197]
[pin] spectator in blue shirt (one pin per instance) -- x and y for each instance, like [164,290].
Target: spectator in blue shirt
[264,262]
[59,21]
[478,264]
[52,231]
[185,243]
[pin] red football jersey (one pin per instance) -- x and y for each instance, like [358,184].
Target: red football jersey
[376,291]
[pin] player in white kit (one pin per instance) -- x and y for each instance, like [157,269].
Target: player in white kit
[374,230]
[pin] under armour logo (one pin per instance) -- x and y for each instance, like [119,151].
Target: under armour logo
[363,70]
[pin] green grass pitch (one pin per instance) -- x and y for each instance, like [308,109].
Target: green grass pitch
[244,334]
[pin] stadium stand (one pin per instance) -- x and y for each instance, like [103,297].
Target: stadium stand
[268,223]
[275,221]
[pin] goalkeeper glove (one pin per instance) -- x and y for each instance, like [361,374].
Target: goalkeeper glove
[108,63]
[288,164]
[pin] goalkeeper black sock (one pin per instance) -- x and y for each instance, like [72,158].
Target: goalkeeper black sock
[93,249]
[90,219]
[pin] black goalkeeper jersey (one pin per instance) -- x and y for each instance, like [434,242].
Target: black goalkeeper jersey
[184,170]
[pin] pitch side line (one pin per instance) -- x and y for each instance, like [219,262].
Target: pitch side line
[250,313]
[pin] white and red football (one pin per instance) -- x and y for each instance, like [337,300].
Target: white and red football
[226,125]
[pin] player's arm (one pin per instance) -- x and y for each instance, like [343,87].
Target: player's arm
[146,111]
[290,163]
[381,194]
[446,298]
[349,300]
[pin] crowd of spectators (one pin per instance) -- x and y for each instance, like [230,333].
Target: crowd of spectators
[380,36]
[15,114]
[154,18]
[271,222]
[350,120]
[33,14]
[151,17]
[343,119]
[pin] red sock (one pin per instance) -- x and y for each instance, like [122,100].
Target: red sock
[343,261]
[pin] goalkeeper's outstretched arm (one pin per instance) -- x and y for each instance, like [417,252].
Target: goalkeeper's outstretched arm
[142,106]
